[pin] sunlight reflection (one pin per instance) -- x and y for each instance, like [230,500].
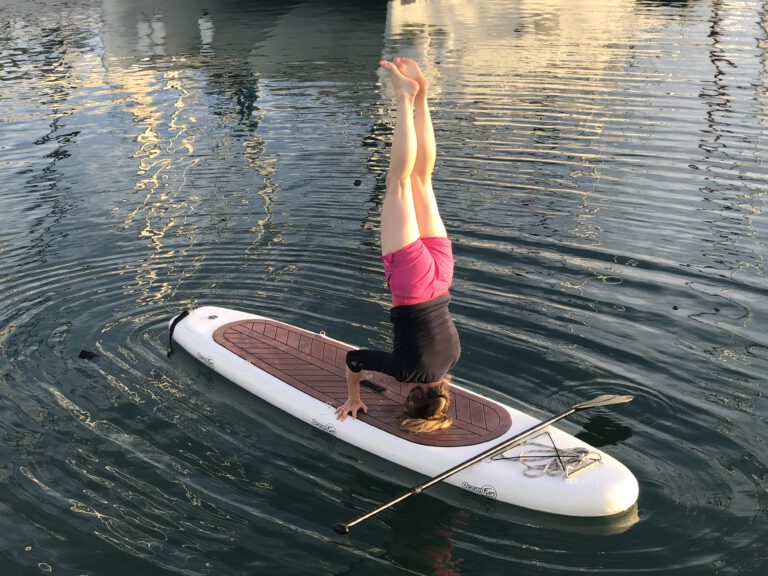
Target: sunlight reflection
[185,111]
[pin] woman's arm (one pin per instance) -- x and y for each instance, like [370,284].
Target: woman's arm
[353,403]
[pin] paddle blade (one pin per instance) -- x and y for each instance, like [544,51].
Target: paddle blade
[603,400]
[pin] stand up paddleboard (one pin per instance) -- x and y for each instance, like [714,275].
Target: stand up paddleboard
[303,373]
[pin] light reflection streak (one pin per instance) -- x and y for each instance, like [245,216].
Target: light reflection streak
[254,151]
[169,100]
[148,87]
[726,201]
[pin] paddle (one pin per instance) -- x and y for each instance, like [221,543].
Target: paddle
[604,400]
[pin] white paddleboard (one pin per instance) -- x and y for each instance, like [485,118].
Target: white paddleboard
[302,373]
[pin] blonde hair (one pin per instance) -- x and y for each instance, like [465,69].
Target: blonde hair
[426,407]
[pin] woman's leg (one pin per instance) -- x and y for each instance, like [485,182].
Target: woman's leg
[399,226]
[425,205]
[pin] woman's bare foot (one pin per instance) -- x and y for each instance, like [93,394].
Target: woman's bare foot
[410,69]
[403,85]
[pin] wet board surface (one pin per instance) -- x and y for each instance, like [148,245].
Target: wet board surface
[315,365]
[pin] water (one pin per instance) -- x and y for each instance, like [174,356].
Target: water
[602,170]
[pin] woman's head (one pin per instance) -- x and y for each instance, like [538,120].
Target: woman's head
[426,407]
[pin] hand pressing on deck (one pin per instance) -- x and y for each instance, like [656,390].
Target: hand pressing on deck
[353,403]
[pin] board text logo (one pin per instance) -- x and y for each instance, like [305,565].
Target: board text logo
[329,428]
[207,360]
[486,491]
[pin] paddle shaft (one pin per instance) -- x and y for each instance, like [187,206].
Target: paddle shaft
[418,488]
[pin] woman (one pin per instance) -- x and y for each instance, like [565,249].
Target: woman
[418,263]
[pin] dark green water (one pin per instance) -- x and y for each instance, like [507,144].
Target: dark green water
[602,170]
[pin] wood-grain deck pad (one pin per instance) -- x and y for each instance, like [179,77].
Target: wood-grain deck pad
[315,365]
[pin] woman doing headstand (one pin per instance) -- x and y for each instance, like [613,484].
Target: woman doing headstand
[418,263]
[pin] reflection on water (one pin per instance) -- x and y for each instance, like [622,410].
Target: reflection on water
[602,173]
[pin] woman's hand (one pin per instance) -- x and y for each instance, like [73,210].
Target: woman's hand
[350,407]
